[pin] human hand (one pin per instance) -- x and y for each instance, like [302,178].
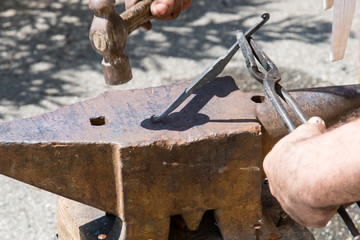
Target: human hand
[163,9]
[291,170]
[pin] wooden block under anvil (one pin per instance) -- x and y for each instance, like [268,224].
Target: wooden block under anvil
[106,153]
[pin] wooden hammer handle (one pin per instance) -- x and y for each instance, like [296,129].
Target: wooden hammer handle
[137,15]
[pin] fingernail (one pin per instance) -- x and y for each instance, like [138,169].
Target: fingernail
[317,120]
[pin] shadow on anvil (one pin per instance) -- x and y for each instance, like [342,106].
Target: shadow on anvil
[189,115]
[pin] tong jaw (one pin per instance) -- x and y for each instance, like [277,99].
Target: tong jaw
[270,79]
[248,47]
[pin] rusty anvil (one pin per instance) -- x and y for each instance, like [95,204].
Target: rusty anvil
[106,153]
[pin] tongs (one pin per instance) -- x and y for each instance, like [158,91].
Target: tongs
[275,93]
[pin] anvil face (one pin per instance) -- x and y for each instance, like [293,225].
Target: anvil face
[106,153]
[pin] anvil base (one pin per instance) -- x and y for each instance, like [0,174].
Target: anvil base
[81,222]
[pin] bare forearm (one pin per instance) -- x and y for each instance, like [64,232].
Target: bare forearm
[334,159]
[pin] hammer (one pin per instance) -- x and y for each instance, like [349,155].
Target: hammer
[108,35]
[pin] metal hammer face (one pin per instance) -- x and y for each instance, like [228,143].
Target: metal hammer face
[108,36]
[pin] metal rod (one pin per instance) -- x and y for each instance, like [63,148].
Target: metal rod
[209,74]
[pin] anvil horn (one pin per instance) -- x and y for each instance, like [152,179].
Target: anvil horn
[329,103]
[85,172]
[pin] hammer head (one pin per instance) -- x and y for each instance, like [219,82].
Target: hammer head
[109,32]
[108,36]
[117,72]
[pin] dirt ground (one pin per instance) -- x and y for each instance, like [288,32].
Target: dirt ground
[46,62]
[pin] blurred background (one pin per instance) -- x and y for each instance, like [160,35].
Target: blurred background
[46,62]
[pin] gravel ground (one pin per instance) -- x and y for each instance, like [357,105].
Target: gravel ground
[46,62]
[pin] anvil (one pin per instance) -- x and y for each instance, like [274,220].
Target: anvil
[106,153]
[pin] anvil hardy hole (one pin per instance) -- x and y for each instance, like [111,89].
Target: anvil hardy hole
[258,98]
[98,121]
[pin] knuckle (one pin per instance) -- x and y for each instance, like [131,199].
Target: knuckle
[318,224]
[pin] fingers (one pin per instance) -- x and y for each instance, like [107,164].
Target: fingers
[317,121]
[284,168]
[163,9]
[311,217]
[166,9]
[186,4]
[314,126]
[130,3]
[303,213]
[147,26]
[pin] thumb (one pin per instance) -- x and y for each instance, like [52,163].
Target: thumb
[317,121]
[313,127]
